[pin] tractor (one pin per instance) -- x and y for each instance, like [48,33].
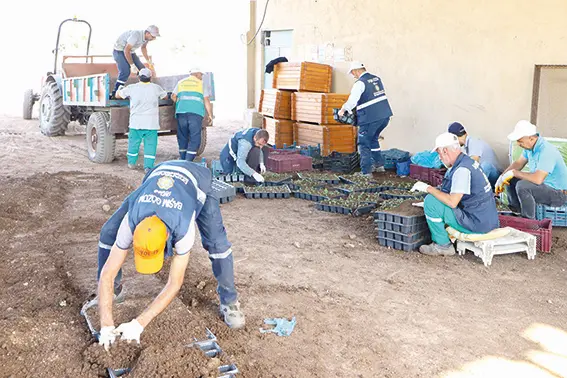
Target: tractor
[79,90]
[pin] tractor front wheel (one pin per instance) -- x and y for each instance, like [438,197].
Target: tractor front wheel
[29,100]
[54,117]
[100,142]
[203,141]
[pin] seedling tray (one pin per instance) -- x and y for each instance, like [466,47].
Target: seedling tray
[394,227]
[354,179]
[315,197]
[223,191]
[399,219]
[361,189]
[423,235]
[384,242]
[328,179]
[386,196]
[346,210]
[234,177]
[255,193]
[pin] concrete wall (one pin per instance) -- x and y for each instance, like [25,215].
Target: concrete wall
[552,102]
[441,60]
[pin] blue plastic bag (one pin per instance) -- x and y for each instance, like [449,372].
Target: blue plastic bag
[427,159]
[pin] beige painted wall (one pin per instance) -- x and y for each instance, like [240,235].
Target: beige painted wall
[441,60]
[552,102]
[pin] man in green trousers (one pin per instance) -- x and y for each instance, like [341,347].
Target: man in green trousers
[144,118]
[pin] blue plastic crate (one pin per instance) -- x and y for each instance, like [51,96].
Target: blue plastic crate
[558,215]
[393,156]
[203,162]
[216,168]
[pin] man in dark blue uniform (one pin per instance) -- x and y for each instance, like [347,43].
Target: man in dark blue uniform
[159,220]
[373,114]
[246,152]
[465,201]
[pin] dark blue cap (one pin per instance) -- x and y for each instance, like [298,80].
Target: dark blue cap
[457,129]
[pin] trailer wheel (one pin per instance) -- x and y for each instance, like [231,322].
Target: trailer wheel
[29,100]
[53,115]
[100,142]
[203,141]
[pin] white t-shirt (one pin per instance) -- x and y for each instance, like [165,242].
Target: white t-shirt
[144,104]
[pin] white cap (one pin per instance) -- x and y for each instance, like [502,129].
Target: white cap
[145,72]
[355,66]
[195,70]
[446,140]
[522,129]
[153,30]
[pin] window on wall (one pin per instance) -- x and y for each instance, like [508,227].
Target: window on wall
[276,43]
[549,110]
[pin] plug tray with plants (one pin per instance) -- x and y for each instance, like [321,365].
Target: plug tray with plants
[359,188]
[272,178]
[401,194]
[328,178]
[317,193]
[358,179]
[400,211]
[263,191]
[347,206]
[371,198]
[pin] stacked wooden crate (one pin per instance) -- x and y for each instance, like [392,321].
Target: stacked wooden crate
[275,106]
[312,107]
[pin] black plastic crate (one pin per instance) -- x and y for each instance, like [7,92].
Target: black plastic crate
[399,219]
[344,210]
[222,191]
[384,242]
[394,227]
[284,193]
[343,163]
[405,238]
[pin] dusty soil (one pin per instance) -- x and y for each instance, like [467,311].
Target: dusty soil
[362,310]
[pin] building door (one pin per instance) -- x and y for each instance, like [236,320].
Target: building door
[277,43]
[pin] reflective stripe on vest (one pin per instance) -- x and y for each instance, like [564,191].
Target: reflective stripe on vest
[371,102]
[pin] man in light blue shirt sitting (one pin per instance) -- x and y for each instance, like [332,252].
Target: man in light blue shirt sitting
[546,182]
[479,151]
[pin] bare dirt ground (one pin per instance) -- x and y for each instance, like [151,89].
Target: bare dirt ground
[362,310]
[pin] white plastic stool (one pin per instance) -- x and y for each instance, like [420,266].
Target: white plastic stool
[515,242]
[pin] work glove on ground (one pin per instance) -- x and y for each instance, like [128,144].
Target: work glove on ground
[420,187]
[262,168]
[258,177]
[503,180]
[130,331]
[106,337]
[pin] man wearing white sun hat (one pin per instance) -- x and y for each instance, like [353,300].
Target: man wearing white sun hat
[546,181]
[465,201]
[373,114]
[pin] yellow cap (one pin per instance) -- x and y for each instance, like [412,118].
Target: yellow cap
[150,237]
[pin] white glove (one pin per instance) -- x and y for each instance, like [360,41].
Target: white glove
[130,331]
[258,177]
[420,187]
[106,337]
[417,204]
[262,168]
[134,69]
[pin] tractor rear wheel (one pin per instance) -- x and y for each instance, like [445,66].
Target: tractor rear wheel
[203,141]
[28,104]
[53,115]
[100,142]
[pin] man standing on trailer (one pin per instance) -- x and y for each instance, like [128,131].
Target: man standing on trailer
[373,114]
[191,101]
[125,52]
